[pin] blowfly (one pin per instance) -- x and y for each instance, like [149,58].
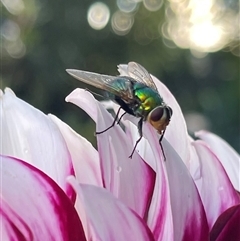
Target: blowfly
[136,94]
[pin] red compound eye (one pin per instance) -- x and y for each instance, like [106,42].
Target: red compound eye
[157,114]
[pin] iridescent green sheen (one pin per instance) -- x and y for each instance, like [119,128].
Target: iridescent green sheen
[149,98]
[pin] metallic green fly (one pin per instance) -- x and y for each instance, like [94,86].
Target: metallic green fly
[136,94]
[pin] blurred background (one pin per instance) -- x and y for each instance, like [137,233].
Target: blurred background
[190,45]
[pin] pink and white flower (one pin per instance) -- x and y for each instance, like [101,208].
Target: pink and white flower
[193,195]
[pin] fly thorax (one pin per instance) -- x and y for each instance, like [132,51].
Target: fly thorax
[143,107]
[160,117]
[147,103]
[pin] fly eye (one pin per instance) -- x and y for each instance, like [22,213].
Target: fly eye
[169,112]
[157,114]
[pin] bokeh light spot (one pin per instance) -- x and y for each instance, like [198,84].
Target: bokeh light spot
[152,5]
[10,30]
[127,6]
[15,7]
[15,49]
[203,26]
[122,22]
[98,15]
[205,35]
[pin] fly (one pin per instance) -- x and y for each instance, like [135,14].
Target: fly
[136,94]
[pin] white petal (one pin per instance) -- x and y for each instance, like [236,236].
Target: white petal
[28,134]
[84,157]
[229,158]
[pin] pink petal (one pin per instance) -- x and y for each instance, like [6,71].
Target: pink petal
[215,188]
[175,211]
[119,172]
[84,157]
[30,135]
[109,218]
[229,158]
[160,214]
[33,206]
[227,226]
[189,218]
[176,204]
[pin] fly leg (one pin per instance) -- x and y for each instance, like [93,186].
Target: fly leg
[140,124]
[121,117]
[114,122]
[160,143]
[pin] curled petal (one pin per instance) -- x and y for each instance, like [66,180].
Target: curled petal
[84,157]
[109,219]
[160,214]
[222,194]
[33,205]
[189,218]
[119,172]
[79,98]
[30,135]
[227,226]
[229,158]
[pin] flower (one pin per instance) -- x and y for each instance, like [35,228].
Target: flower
[193,195]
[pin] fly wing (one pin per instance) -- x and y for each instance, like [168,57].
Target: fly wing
[140,74]
[100,81]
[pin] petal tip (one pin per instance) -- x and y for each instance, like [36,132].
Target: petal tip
[9,91]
